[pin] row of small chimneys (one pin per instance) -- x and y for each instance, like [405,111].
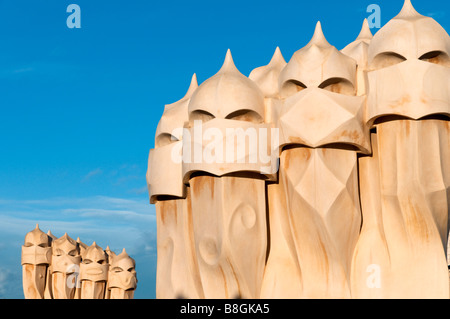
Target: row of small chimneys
[62,268]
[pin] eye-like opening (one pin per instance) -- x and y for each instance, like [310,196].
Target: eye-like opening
[101,261]
[117,269]
[338,85]
[73,253]
[131,269]
[390,118]
[58,252]
[166,197]
[87,261]
[28,244]
[245,115]
[387,59]
[290,87]
[342,146]
[436,57]
[165,139]
[200,115]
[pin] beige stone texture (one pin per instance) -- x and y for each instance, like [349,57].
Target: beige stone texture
[357,202]
[64,268]
[177,267]
[36,258]
[405,183]
[122,281]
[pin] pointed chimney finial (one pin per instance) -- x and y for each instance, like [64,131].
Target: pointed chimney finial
[365,33]
[318,37]
[228,64]
[277,58]
[192,87]
[408,11]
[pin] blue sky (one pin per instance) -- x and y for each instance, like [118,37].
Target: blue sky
[80,106]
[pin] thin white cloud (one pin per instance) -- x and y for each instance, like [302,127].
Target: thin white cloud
[91,174]
[110,214]
[94,217]
[23,70]
[38,69]
[436,14]
[139,191]
[119,223]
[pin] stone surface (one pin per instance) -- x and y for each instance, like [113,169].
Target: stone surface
[354,199]
[64,268]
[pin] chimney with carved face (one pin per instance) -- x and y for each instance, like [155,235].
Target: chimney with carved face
[36,258]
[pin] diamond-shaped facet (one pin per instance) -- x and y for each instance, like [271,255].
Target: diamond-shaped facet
[312,117]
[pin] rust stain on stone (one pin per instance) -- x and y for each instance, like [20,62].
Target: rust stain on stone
[306,152]
[287,158]
[404,100]
[199,183]
[166,207]
[235,276]
[438,59]
[159,209]
[352,135]
[175,212]
[336,88]
[407,127]
[296,140]
[416,221]
[211,185]
[423,100]
[56,284]
[224,282]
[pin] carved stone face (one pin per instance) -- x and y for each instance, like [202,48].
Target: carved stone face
[36,250]
[36,257]
[223,110]
[164,177]
[122,273]
[172,121]
[65,255]
[94,266]
[409,36]
[266,77]
[227,95]
[320,105]
[409,68]
[318,65]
